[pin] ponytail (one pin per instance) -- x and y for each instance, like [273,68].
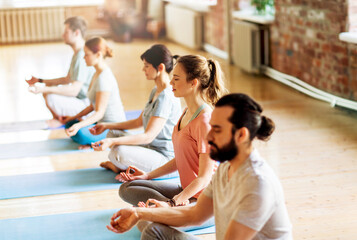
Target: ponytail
[207,72]
[266,128]
[98,44]
[215,88]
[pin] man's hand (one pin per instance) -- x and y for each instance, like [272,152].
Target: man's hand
[65,119]
[36,89]
[102,144]
[32,81]
[123,220]
[132,173]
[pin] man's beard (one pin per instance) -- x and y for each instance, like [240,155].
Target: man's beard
[226,153]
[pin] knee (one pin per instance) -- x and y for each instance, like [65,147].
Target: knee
[81,137]
[152,231]
[123,191]
[113,154]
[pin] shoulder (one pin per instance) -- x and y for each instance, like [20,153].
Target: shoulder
[204,117]
[167,97]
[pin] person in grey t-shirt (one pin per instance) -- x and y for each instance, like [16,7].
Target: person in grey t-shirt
[245,196]
[153,148]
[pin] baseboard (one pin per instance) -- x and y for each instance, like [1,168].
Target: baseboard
[309,90]
[215,51]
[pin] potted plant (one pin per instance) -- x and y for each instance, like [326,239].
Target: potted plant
[264,6]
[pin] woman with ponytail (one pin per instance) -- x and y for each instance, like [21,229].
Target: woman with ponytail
[153,148]
[103,93]
[199,82]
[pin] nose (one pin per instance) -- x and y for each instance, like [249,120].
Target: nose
[172,81]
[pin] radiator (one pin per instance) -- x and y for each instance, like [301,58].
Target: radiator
[184,26]
[246,46]
[31,24]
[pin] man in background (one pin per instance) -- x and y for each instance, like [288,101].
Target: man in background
[67,96]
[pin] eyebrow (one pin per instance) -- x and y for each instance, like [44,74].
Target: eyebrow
[216,126]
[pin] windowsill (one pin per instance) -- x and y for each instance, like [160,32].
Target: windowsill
[199,6]
[350,37]
[46,3]
[250,16]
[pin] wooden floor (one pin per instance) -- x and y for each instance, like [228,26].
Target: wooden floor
[313,151]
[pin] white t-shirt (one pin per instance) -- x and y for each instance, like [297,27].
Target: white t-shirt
[253,197]
[106,82]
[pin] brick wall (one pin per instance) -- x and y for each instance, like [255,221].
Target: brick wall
[215,27]
[305,44]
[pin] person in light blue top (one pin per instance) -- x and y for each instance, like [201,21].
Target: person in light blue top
[153,148]
[103,93]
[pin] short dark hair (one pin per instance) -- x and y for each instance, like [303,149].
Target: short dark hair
[247,113]
[77,22]
[158,54]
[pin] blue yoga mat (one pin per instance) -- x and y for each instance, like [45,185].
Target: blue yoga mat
[40,184]
[42,125]
[40,148]
[70,226]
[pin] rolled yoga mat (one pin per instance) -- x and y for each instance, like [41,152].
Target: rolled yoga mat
[61,182]
[70,226]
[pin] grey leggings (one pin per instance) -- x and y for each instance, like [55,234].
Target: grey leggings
[160,231]
[141,190]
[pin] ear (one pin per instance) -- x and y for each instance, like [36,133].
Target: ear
[161,67]
[194,82]
[242,135]
[77,32]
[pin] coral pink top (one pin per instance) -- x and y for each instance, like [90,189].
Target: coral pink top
[188,143]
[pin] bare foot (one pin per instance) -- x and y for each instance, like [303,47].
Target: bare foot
[82,147]
[53,123]
[110,166]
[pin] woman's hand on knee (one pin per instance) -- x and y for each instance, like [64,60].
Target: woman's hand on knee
[132,173]
[98,129]
[153,203]
[102,144]
[72,130]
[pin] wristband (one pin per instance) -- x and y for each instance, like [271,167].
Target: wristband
[171,202]
[40,80]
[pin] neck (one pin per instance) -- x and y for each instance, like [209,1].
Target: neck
[193,102]
[240,159]
[162,81]
[99,67]
[78,45]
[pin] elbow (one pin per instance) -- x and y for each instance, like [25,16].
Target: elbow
[148,138]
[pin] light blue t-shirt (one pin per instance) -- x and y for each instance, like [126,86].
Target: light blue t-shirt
[106,82]
[79,71]
[165,106]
